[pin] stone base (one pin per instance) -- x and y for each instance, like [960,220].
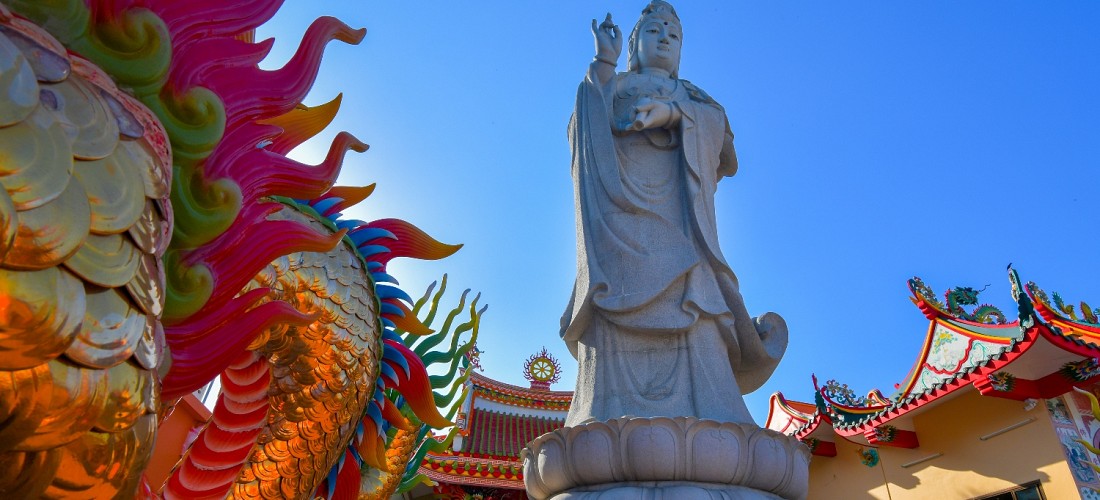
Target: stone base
[666,491]
[660,457]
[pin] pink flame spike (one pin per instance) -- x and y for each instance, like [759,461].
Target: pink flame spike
[202,351]
[197,65]
[198,19]
[349,195]
[267,173]
[234,266]
[273,93]
[411,242]
[302,123]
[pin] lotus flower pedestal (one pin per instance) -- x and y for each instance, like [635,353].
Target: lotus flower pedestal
[665,458]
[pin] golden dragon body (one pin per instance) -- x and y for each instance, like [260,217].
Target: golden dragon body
[153,236]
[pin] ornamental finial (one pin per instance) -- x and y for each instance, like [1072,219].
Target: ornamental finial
[542,369]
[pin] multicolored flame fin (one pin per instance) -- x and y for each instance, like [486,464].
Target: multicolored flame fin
[409,448]
[411,242]
[416,388]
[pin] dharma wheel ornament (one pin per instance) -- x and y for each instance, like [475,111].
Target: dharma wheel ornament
[542,369]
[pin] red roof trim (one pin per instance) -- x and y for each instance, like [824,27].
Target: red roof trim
[1088,350]
[816,422]
[482,381]
[963,380]
[958,328]
[823,449]
[796,417]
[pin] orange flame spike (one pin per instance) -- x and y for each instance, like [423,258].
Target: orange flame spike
[369,448]
[409,323]
[350,194]
[302,123]
[393,415]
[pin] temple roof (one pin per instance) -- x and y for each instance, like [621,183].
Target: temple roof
[1044,352]
[500,435]
[497,422]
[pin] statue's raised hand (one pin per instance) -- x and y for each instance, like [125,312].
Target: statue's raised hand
[609,40]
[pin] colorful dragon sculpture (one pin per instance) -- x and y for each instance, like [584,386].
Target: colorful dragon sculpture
[955,298]
[154,236]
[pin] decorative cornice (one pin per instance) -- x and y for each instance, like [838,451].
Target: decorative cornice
[439,474]
[519,396]
[521,401]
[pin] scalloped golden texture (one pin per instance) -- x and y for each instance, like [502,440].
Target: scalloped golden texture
[115,190]
[82,228]
[49,234]
[18,85]
[86,115]
[322,374]
[43,312]
[36,161]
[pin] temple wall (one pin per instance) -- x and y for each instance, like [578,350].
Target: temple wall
[174,433]
[968,467]
[844,476]
[1073,419]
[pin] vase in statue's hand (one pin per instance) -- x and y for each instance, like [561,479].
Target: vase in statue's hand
[654,112]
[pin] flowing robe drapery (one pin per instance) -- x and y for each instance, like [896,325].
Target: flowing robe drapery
[656,320]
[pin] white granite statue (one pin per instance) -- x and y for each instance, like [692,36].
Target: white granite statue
[656,320]
[657,323]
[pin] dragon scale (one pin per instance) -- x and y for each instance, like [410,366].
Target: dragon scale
[319,376]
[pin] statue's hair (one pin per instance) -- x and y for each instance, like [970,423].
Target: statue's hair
[661,10]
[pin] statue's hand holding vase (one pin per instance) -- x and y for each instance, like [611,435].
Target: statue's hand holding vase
[654,112]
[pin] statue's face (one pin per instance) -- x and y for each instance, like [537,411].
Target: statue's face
[659,45]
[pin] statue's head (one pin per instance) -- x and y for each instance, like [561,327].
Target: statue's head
[655,41]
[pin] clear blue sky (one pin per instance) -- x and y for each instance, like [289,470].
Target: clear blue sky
[877,141]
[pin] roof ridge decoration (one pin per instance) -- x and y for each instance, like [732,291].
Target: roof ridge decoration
[954,299]
[1088,314]
[548,401]
[957,343]
[474,357]
[840,403]
[1037,308]
[1064,316]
